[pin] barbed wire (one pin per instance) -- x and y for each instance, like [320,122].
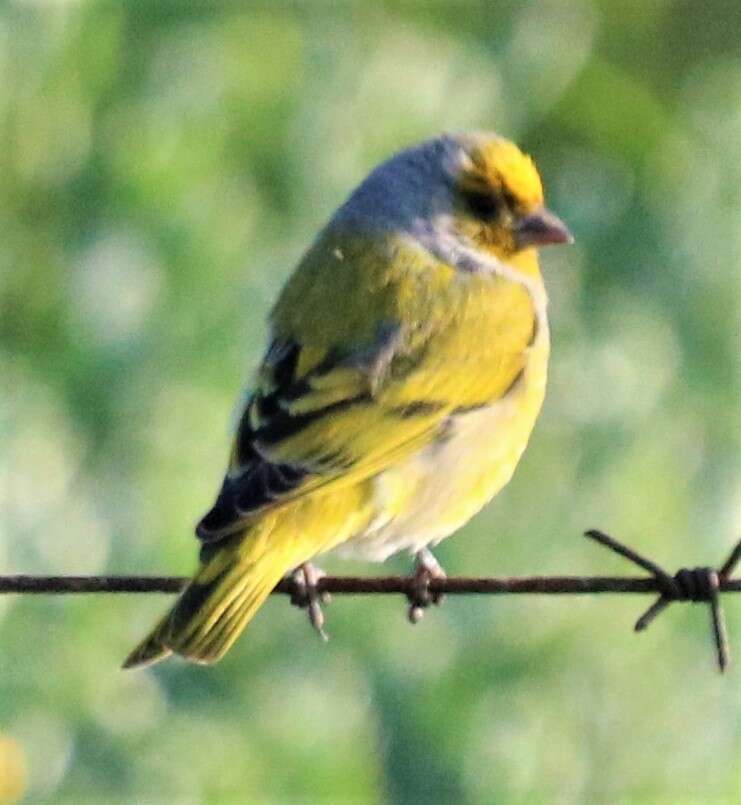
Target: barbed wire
[701,584]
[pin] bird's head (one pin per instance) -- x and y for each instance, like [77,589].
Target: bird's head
[457,195]
[497,196]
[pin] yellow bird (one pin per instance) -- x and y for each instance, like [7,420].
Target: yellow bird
[406,368]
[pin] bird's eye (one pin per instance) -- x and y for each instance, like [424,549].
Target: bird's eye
[481,204]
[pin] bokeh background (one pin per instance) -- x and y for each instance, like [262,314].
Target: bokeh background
[162,168]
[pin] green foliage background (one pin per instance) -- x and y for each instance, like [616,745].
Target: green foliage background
[162,167]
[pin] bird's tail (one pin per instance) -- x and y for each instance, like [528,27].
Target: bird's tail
[213,610]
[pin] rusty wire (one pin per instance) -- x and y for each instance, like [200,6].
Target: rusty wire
[702,584]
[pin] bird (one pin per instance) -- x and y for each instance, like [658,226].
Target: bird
[405,369]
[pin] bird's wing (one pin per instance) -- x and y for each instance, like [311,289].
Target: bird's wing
[324,414]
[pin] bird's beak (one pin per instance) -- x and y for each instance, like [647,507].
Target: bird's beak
[541,228]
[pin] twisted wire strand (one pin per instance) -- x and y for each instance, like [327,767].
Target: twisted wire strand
[701,584]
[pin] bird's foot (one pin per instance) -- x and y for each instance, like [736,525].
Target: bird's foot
[420,597]
[306,595]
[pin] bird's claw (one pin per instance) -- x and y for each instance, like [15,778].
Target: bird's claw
[306,596]
[427,569]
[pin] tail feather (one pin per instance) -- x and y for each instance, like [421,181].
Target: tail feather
[218,604]
[149,652]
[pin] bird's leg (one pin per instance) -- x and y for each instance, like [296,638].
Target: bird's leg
[306,596]
[427,569]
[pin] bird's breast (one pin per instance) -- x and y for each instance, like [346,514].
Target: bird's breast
[434,492]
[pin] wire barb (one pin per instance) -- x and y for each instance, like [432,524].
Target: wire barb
[699,585]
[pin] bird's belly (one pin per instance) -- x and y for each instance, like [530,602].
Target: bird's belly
[425,498]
